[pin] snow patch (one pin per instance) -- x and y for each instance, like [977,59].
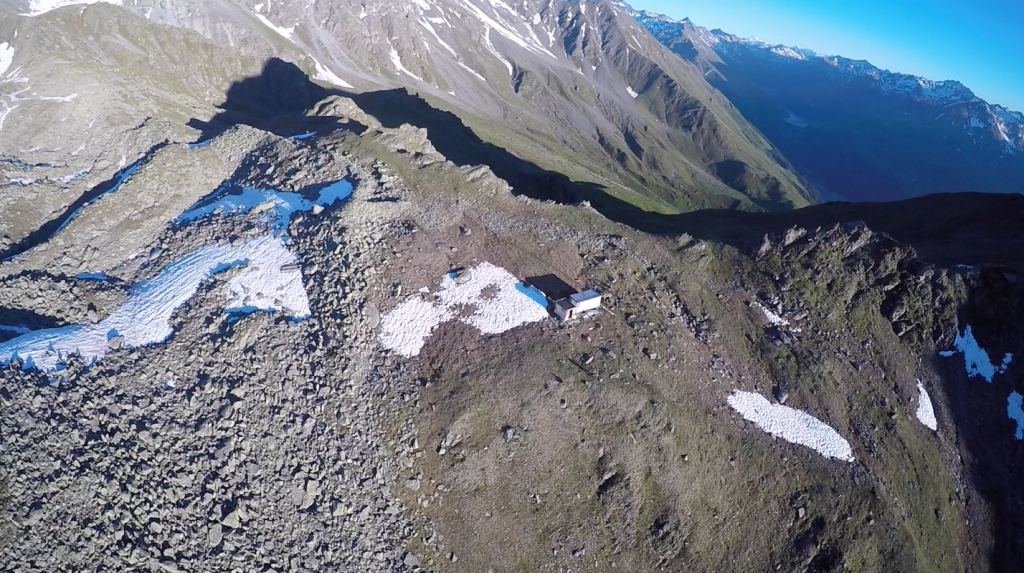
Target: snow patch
[512,35]
[324,74]
[792,425]
[795,120]
[5,110]
[64,99]
[270,281]
[286,32]
[632,93]
[6,57]
[397,61]
[6,107]
[1015,411]
[925,411]
[787,52]
[773,318]
[490,47]
[68,179]
[976,360]
[492,300]
[472,71]
[433,32]
[37,7]
[1004,133]
[277,205]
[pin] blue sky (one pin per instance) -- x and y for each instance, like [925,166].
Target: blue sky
[979,43]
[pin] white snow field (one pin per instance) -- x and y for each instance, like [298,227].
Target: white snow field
[324,74]
[37,7]
[976,360]
[1015,411]
[279,205]
[925,411]
[790,424]
[285,32]
[499,302]
[397,61]
[270,281]
[6,57]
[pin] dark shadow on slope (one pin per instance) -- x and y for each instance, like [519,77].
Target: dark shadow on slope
[20,318]
[995,311]
[946,229]
[457,142]
[955,228]
[971,228]
[276,101]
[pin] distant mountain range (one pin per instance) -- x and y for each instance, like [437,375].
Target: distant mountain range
[856,131]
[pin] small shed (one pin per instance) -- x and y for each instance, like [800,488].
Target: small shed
[574,305]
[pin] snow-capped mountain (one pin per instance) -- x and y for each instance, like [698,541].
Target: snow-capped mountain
[1005,124]
[857,131]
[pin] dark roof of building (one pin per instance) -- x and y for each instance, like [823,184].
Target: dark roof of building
[585,295]
[564,303]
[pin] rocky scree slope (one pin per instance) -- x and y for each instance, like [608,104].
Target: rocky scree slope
[855,131]
[251,439]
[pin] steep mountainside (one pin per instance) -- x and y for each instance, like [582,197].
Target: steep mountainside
[857,132]
[552,82]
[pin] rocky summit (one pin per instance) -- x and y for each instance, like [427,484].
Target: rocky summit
[466,285]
